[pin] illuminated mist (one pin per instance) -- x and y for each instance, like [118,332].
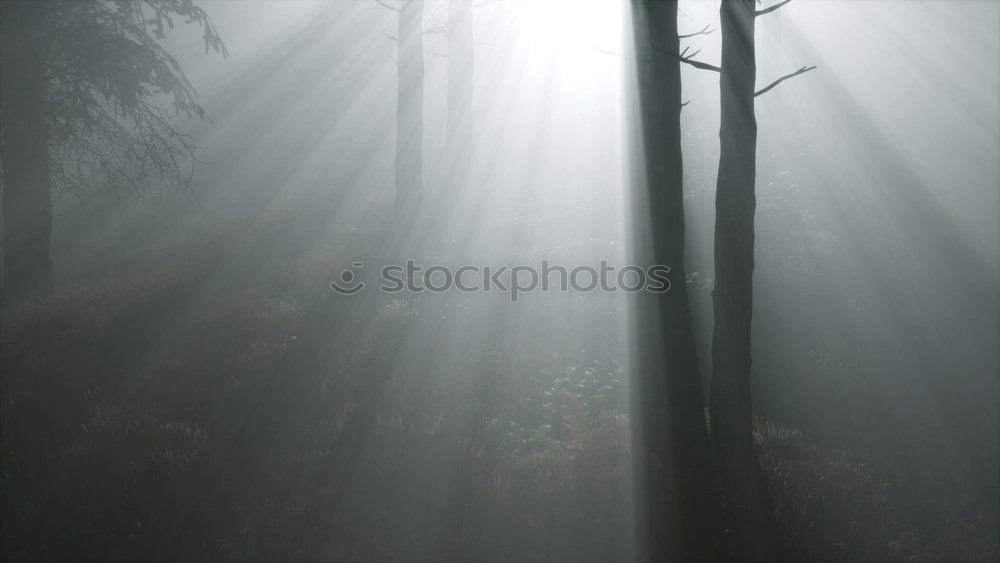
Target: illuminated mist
[192,388]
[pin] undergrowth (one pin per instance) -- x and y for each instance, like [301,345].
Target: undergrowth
[120,393]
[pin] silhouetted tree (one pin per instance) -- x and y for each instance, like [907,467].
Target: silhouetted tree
[460,146]
[87,90]
[746,498]
[743,481]
[27,211]
[677,493]
[461,67]
[410,104]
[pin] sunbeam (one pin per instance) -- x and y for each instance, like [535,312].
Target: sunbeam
[500,280]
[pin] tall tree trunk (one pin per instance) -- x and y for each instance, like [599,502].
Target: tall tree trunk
[27,209]
[746,497]
[771,63]
[409,110]
[461,141]
[461,67]
[677,495]
[460,149]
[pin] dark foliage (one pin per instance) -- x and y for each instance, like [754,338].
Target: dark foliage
[115,93]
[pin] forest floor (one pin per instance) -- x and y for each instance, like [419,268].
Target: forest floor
[151,413]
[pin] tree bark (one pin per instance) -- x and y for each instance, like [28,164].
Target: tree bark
[27,208]
[747,500]
[679,512]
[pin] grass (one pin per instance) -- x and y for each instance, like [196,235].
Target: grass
[838,505]
[120,395]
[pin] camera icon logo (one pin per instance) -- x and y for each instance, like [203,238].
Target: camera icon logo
[348,284]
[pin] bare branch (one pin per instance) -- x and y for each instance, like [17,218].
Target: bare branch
[390,36]
[707,30]
[436,29]
[684,52]
[802,70]
[436,54]
[770,9]
[698,64]
[684,57]
[606,51]
[388,6]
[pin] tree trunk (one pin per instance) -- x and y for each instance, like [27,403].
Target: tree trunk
[409,110]
[461,67]
[27,209]
[460,142]
[677,495]
[747,500]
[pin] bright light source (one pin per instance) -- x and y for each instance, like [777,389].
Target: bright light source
[578,30]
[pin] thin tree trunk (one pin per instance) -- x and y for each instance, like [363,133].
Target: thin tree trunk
[461,68]
[677,495]
[460,146]
[745,491]
[409,110]
[27,209]
[460,150]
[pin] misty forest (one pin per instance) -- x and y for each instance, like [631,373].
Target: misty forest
[500,280]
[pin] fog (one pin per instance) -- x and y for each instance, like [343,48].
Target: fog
[192,387]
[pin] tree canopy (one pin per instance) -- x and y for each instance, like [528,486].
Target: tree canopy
[115,92]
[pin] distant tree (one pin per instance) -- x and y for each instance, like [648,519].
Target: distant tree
[745,494]
[27,213]
[460,142]
[461,68]
[89,105]
[410,106]
[678,495]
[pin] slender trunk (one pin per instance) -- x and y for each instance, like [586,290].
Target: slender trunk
[460,82]
[677,496]
[745,491]
[409,110]
[27,210]
[459,149]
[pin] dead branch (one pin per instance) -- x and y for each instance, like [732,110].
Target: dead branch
[684,59]
[606,51]
[688,59]
[707,30]
[770,9]
[388,6]
[802,70]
